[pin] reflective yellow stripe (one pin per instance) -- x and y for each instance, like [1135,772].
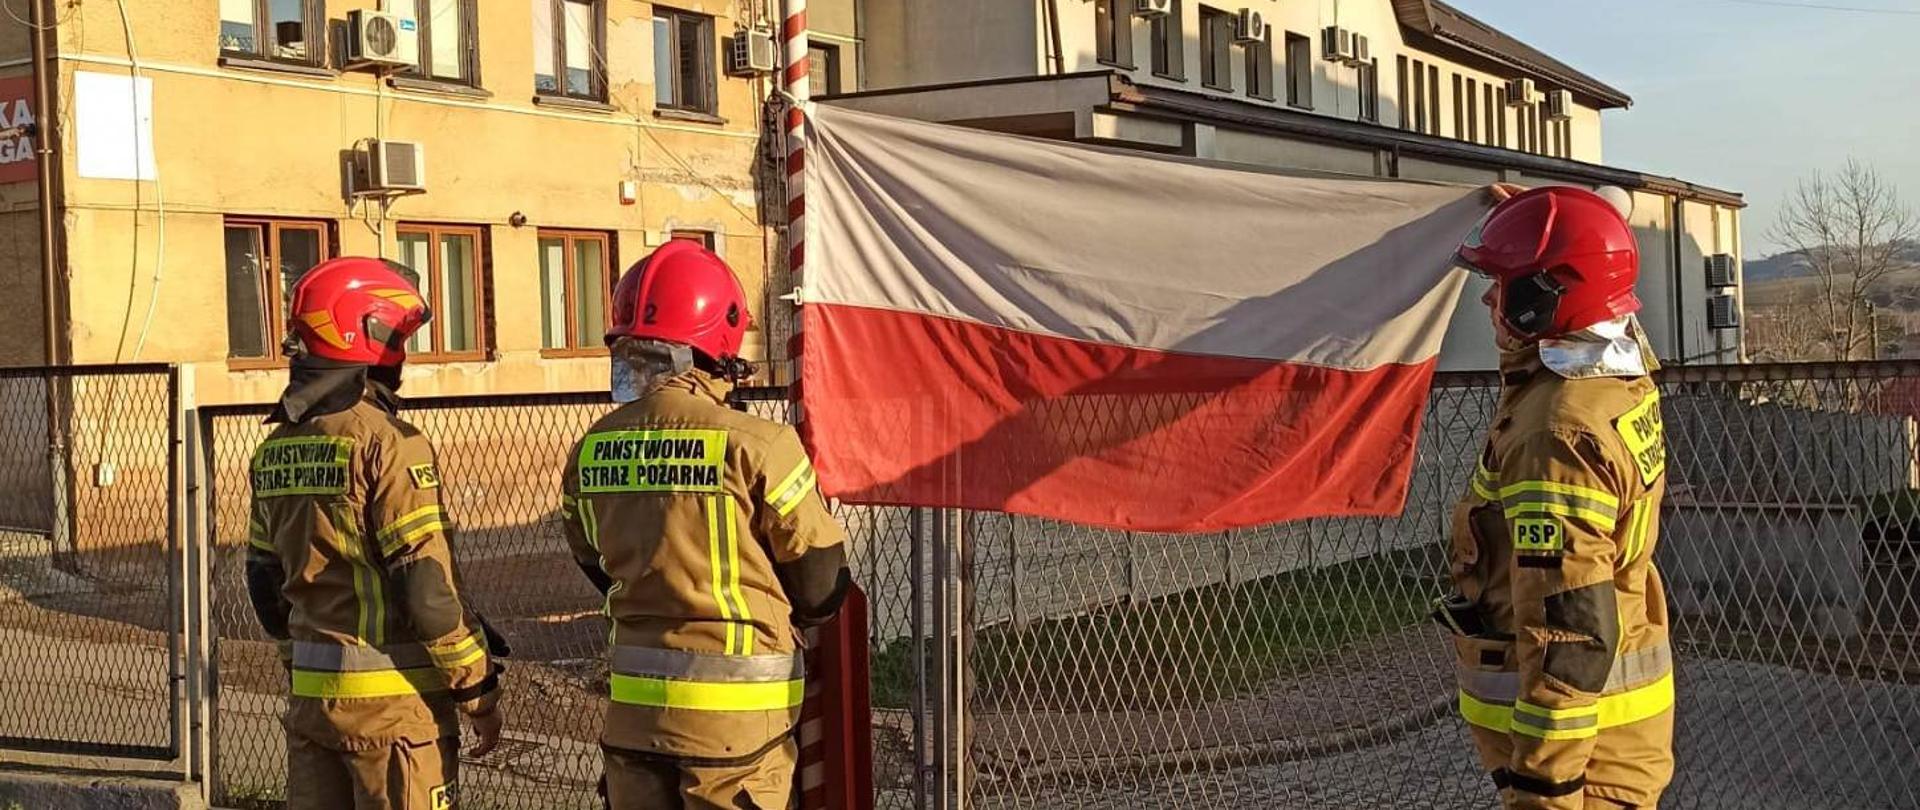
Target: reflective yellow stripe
[395,527]
[1601,520]
[1637,522]
[257,537]
[793,499]
[733,579]
[375,684]
[405,541]
[712,696]
[567,506]
[1483,483]
[1621,709]
[366,580]
[460,654]
[780,490]
[714,562]
[1603,497]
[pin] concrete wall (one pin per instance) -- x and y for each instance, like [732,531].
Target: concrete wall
[938,41]
[232,141]
[914,42]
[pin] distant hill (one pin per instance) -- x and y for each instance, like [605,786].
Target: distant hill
[1793,264]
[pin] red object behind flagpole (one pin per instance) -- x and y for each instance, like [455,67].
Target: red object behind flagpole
[836,721]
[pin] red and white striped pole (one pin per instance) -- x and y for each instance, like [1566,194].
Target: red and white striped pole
[799,91]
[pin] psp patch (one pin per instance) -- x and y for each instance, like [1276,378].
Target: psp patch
[443,797]
[424,476]
[1538,542]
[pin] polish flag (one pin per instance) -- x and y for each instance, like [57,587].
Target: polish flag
[1112,338]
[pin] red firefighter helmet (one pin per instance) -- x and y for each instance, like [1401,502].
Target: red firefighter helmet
[1561,259]
[357,310]
[685,294]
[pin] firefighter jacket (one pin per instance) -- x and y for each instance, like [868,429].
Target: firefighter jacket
[691,515]
[349,567]
[1567,679]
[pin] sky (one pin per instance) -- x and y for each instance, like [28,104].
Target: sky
[1743,95]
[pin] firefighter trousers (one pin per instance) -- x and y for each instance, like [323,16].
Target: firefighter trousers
[639,782]
[402,776]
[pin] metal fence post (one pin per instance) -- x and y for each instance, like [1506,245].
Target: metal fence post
[197,462]
[917,646]
[949,665]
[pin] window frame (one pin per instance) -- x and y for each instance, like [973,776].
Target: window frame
[597,47]
[467,41]
[1472,118]
[1260,73]
[1419,97]
[1168,37]
[1459,110]
[569,289]
[1113,33]
[314,25]
[706,239]
[273,310]
[1486,93]
[435,294]
[1299,71]
[830,83]
[1369,79]
[1406,114]
[1500,95]
[1433,99]
[709,61]
[1216,49]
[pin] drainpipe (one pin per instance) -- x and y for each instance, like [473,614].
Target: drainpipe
[1058,54]
[44,115]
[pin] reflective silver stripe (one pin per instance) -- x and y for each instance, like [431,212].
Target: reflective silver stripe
[1556,724]
[1490,687]
[322,657]
[681,665]
[1638,668]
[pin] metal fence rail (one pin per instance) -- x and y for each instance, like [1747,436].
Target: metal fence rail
[90,566]
[1027,663]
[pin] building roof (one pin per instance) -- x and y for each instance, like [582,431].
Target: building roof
[1451,26]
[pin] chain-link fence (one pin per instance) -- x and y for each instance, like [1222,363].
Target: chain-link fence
[1019,662]
[90,574]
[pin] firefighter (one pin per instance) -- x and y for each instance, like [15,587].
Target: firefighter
[703,527]
[349,567]
[1558,615]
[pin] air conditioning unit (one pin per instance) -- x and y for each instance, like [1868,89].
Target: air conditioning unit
[1521,92]
[1560,105]
[1723,312]
[391,166]
[1362,51]
[1152,8]
[751,52]
[1336,44]
[1251,28]
[1720,271]
[379,39]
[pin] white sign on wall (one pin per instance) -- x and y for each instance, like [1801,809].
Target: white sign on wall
[113,126]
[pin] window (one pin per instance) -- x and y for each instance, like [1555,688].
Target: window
[1260,67]
[447,259]
[683,61]
[1459,111]
[1419,101]
[569,37]
[1169,45]
[1369,77]
[823,68]
[291,31]
[1299,71]
[1113,32]
[1473,111]
[1406,105]
[1433,100]
[701,238]
[1216,49]
[1486,93]
[1501,97]
[264,258]
[449,33]
[576,288]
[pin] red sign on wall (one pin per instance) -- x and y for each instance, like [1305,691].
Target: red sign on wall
[17,159]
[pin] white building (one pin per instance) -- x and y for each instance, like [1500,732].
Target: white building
[1390,88]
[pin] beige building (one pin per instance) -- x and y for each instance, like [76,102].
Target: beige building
[532,149]
[1391,88]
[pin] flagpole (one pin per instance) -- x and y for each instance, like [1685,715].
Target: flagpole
[798,90]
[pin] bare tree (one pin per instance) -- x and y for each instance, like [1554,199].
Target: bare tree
[1849,229]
